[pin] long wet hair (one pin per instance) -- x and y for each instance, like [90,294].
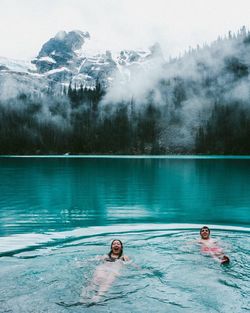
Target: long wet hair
[121,252]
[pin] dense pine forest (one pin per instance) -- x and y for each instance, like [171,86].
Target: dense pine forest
[199,104]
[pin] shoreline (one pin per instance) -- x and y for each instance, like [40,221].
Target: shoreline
[115,156]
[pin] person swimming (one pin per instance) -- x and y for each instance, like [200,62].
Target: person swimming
[106,273]
[209,246]
[116,252]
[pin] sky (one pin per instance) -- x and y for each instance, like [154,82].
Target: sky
[25,25]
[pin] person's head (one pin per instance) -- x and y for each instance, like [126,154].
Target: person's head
[205,232]
[116,248]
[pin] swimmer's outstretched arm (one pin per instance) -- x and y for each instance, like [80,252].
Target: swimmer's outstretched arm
[221,258]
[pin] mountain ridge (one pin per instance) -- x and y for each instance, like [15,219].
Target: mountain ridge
[62,59]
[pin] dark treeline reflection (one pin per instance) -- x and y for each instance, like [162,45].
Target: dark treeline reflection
[199,104]
[54,194]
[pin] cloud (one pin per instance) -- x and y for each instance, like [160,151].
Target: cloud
[118,24]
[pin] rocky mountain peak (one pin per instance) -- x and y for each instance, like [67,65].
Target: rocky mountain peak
[60,50]
[63,59]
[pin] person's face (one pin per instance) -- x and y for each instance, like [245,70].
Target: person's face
[116,247]
[205,233]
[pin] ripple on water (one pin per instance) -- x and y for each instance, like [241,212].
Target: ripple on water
[173,276]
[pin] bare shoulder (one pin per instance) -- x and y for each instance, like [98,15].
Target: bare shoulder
[213,241]
[207,242]
[126,258]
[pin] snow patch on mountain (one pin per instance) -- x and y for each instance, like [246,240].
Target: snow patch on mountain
[17,65]
[68,57]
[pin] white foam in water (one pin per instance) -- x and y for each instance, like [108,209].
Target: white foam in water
[24,241]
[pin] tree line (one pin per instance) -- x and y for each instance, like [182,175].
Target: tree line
[79,120]
[74,123]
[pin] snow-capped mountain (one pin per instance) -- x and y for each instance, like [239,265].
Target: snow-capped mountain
[60,51]
[63,59]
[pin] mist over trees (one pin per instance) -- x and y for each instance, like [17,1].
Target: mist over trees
[198,103]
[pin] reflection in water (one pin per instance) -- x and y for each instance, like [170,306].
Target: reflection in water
[38,195]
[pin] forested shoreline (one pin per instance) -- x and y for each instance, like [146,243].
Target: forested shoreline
[206,111]
[85,130]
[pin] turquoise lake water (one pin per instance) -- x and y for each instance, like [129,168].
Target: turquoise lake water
[55,212]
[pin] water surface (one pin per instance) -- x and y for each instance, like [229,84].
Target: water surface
[57,194]
[174,276]
[55,212]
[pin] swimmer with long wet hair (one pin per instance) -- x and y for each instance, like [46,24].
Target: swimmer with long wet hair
[210,247]
[116,252]
[106,273]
